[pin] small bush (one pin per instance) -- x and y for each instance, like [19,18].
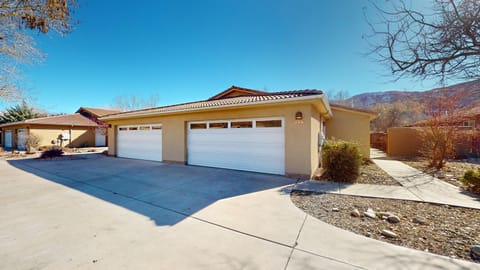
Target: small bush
[471,179]
[54,151]
[32,143]
[341,161]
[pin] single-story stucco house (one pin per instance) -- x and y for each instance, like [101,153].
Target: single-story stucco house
[242,129]
[81,129]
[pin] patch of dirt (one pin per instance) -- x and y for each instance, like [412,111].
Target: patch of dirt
[370,173]
[449,231]
[451,173]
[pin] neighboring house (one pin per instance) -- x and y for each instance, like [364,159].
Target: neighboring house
[72,130]
[240,128]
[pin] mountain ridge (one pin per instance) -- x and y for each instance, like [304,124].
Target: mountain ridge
[468,91]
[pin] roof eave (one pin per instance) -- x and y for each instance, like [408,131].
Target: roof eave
[319,97]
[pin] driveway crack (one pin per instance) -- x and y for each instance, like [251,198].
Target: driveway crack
[296,242]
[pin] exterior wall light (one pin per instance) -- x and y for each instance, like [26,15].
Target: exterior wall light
[298,116]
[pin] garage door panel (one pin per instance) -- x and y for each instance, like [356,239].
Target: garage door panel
[251,149]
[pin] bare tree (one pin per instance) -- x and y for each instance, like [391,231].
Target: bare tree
[339,96]
[395,114]
[442,128]
[132,102]
[443,42]
[16,43]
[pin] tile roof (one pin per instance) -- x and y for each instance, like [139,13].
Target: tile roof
[223,102]
[60,120]
[97,112]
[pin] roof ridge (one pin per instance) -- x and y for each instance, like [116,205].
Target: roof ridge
[45,117]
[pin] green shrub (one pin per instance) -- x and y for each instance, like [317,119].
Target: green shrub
[341,161]
[54,151]
[471,178]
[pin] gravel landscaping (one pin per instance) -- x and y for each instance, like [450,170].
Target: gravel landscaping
[440,229]
[371,174]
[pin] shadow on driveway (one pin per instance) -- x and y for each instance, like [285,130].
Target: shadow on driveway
[137,185]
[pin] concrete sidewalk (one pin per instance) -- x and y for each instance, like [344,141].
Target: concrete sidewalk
[415,186]
[424,186]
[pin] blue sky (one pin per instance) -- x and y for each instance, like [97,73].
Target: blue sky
[190,50]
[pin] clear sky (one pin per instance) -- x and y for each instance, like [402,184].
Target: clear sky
[190,50]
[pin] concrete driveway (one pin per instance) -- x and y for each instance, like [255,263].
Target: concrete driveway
[97,212]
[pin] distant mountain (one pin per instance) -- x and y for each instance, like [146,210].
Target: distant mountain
[470,92]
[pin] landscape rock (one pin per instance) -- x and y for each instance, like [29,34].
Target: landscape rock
[389,233]
[475,252]
[355,213]
[370,213]
[419,220]
[335,209]
[393,219]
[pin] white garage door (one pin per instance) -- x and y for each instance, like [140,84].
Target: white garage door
[140,142]
[251,145]
[8,139]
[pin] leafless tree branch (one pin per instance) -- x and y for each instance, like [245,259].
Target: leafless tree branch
[443,43]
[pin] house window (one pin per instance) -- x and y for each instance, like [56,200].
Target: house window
[242,124]
[198,125]
[133,128]
[156,127]
[218,125]
[123,129]
[269,123]
[145,128]
[468,123]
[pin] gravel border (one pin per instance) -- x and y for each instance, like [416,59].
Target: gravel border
[440,229]
[370,173]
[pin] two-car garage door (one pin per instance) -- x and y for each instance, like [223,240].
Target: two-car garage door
[248,144]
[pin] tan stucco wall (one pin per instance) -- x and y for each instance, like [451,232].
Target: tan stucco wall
[299,157]
[315,127]
[80,136]
[403,141]
[350,126]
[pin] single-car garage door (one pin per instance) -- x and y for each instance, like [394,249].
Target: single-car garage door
[248,144]
[140,142]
